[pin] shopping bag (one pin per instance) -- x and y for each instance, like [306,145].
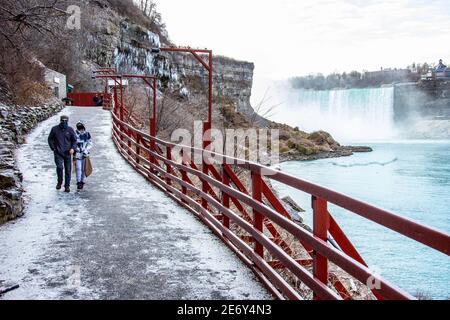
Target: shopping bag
[88,170]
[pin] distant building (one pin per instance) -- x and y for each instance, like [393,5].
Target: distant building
[388,73]
[388,76]
[57,83]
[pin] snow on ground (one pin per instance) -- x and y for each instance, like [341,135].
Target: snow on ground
[120,238]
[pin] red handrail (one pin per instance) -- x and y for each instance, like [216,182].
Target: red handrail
[158,167]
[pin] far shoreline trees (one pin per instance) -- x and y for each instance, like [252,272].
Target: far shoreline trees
[365,79]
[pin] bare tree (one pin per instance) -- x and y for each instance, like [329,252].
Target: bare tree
[168,118]
[18,18]
[264,109]
[148,8]
[25,25]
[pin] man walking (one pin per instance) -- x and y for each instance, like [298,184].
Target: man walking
[63,142]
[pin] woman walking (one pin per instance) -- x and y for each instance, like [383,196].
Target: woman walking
[84,144]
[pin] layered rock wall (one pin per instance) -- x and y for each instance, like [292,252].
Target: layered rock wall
[15,122]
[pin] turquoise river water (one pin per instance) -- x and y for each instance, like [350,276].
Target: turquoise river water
[410,178]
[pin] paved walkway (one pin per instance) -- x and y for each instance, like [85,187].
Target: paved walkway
[120,238]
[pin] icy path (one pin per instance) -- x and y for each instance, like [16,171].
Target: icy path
[120,238]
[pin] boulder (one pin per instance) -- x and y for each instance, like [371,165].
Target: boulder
[10,209]
[8,179]
[4,114]
[360,149]
[15,194]
[323,138]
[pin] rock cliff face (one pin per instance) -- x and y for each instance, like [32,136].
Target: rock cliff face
[232,79]
[15,122]
[412,100]
[120,42]
[422,111]
[117,41]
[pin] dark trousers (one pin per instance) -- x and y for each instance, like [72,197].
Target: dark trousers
[63,164]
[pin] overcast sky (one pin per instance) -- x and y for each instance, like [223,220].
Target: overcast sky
[296,37]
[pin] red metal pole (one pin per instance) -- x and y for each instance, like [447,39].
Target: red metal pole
[210,89]
[138,148]
[321,225]
[184,175]
[169,167]
[130,134]
[225,198]
[207,127]
[153,123]
[121,100]
[154,120]
[116,110]
[205,170]
[257,217]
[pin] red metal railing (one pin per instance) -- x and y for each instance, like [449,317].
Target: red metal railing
[252,221]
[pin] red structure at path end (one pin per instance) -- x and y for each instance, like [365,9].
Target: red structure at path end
[86,99]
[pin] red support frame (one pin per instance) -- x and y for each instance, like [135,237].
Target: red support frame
[208,65]
[151,81]
[207,125]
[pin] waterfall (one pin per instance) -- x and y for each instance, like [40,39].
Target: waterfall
[349,115]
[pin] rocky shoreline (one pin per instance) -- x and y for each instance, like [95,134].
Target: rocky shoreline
[345,151]
[15,123]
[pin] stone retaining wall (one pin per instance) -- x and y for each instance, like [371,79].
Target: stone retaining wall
[15,123]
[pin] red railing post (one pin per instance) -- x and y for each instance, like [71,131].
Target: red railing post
[321,224]
[129,136]
[257,217]
[122,111]
[138,148]
[183,174]
[206,146]
[116,101]
[153,123]
[169,167]
[225,197]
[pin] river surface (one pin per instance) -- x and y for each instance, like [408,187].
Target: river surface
[410,178]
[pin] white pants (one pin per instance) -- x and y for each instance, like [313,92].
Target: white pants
[80,168]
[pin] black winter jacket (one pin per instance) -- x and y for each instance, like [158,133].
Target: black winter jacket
[62,140]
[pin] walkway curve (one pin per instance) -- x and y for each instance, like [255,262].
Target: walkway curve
[120,238]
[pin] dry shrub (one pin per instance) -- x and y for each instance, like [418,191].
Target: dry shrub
[33,93]
[22,77]
[150,20]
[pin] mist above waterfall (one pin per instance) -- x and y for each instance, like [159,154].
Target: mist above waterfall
[349,115]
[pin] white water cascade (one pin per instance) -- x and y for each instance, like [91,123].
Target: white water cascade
[349,115]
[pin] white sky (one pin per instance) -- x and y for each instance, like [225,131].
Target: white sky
[296,37]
